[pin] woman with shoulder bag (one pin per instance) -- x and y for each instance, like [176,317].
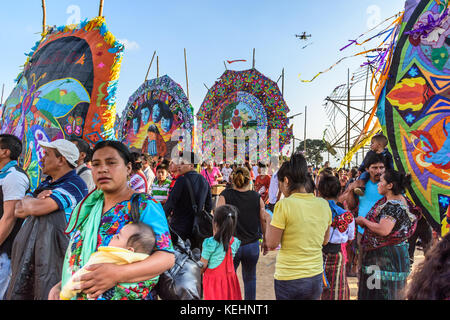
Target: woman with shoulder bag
[251,225]
[101,215]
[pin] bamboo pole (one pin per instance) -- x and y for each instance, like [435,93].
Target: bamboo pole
[187,80]
[100,10]
[225,65]
[157,66]
[44,17]
[304,139]
[282,83]
[3,90]
[151,62]
[253,58]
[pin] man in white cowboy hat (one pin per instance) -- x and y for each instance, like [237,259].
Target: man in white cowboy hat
[39,247]
[62,189]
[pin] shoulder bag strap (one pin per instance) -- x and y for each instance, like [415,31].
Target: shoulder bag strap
[191,194]
[135,212]
[84,169]
[207,175]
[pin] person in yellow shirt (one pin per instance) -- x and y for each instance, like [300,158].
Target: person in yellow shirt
[135,242]
[301,224]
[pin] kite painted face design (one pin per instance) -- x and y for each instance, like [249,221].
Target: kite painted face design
[156,114]
[166,123]
[145,115]
[161,108]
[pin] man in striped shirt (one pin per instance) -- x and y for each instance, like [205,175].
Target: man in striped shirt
[62,189]
[160,188]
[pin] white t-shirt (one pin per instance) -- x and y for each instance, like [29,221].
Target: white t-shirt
[14,184]
[86,175]
[273,188]
[149,175]
[226,172]
[255,171]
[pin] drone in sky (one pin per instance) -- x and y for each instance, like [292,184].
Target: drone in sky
[303,36]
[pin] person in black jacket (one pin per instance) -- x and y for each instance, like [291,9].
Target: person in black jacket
[178,207]
[40,245]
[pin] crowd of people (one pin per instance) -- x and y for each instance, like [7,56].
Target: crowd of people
[100,225]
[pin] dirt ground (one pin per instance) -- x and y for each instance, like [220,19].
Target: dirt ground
[265,270]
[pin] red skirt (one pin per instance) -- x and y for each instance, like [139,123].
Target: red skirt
[221,283]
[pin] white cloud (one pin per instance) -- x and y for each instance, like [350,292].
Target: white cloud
[129,44]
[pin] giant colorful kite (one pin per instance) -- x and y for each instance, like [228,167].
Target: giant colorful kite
[414,106]
[153,113]
[246,100]
[67,89]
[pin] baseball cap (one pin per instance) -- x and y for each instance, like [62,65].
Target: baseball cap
[67,149]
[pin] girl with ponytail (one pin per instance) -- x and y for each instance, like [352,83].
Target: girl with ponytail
[219,279]
[301,224]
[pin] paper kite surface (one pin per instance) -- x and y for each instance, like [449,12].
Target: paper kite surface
[67,89]
[246,100]
[153,113]
[414,107]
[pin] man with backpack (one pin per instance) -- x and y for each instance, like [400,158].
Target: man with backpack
[179,206]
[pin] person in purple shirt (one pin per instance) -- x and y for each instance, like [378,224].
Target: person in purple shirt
[212,174]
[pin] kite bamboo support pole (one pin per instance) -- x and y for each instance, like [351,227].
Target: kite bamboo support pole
[151,62]
[253,58]
[187,80]
[304,133]
[44,17]
[3,90]
[100,10]
[157,66]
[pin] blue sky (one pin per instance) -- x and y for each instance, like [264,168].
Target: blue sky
[213,31]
